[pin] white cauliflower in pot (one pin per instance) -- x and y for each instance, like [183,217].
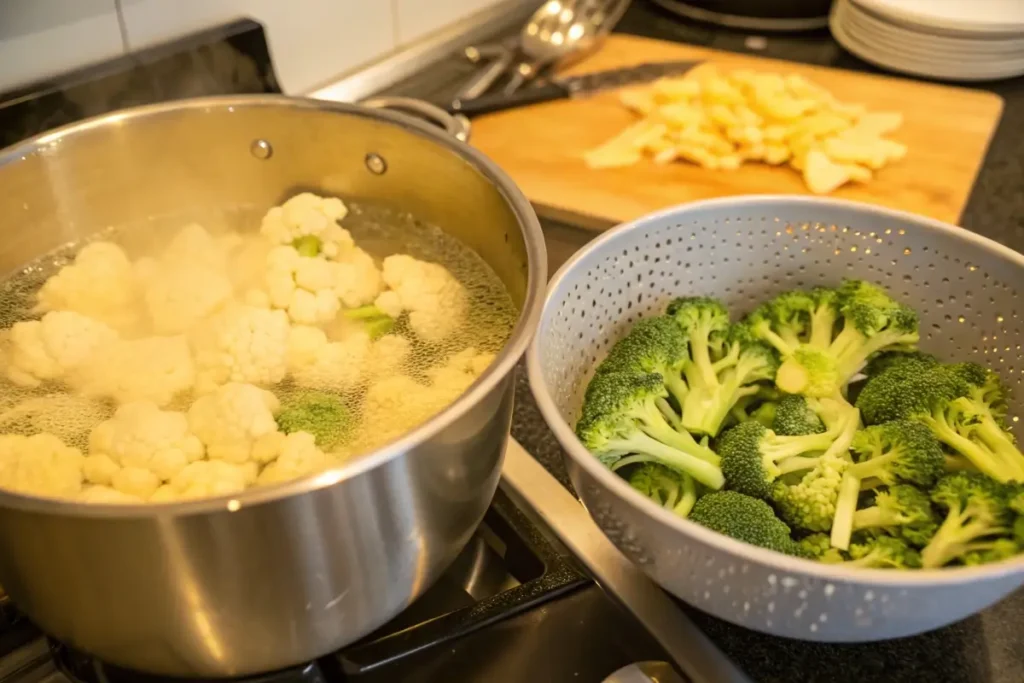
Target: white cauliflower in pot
[297,455]
[314,361]
[436,302]
[309,222]
[155,369]
[141,435]
[104,495]
[46,349]
[99,284]
[241,344]
[357,279]
[207,478]
[303,286]
[236,423]
[454,376]
[40,465]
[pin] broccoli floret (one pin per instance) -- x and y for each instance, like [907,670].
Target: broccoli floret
[376,322]
[323,415]
[794,416]
[904,511]
[745,519]
[669,489]
[977,519]
[800,327]
[754,456]
[896,359]
[307,245]
[963,404]
[888,454]
[653,345]
[810,503]
[817,547]
[621,417]
[999,550]
[724,364]
[884,552]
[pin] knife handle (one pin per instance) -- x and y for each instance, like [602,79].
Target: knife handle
[486,104]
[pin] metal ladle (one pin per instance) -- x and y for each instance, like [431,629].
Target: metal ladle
[562,32]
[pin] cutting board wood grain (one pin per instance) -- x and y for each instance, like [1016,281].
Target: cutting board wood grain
[946,129]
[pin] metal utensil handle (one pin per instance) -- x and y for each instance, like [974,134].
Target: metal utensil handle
[499,101]
[456,125]
[688,647]
[481,81]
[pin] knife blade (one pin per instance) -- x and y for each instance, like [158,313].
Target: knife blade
[560,88]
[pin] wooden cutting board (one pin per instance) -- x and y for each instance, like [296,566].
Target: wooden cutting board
[946,129]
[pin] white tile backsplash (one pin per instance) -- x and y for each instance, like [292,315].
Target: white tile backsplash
[41,38]
[311,41]
[418,18]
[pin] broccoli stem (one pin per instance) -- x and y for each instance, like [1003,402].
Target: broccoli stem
[846,507]
[364,313]
[797,464]
[700,358]
[784,347]
[792,377]
[674,458]
[961,532]
[979,456]
[688,498]
[791,446]
[677,388]
[852,359]
[823,320]
[307,245]
[873,517]
[669,413]
[1002,447]
[630,460]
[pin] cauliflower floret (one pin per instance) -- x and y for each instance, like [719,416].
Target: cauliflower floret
[99,469]
[99,284]
[309,215]
[452,378]
[314,361]
[241,344]
[140,435]
[151,369]
[135,481]
[298,456]
[46,349]
[357,279]
[188,281]
[437,303]
[301,285]
[387,356]
[233,419]
[40,465]
[207,478]
[391,407]
[104,495]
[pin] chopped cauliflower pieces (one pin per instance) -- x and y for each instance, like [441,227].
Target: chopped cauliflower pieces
[241,344]
[211,362]
[156,369]
[40,465]
[437,303]
[99,284]
[231,421]
[309,215]
[46,349]
[143,436]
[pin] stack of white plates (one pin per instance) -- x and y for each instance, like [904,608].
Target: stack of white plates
[955,40]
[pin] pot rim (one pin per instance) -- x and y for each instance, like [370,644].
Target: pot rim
[502,366]
[683,529]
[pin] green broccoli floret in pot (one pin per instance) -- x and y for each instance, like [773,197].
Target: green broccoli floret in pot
[323,415]
[621,418]
[884,552]
[653,345]
[903,511]
[795,416]
[746,519]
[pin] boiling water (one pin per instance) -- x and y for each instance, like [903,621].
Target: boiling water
[381,232]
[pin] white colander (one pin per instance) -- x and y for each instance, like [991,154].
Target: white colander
[967,290]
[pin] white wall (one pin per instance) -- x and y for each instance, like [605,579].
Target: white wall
[312,41]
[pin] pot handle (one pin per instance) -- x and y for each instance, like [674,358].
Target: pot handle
[456,125]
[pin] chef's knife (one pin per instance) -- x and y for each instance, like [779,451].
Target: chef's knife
[560,88]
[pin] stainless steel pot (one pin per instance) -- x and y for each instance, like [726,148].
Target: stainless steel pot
[278,575]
